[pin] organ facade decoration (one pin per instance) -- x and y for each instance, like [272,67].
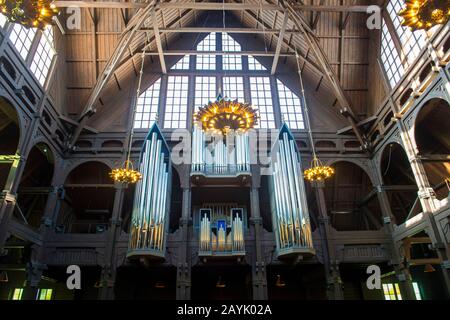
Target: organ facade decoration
[152,198]
[288,198]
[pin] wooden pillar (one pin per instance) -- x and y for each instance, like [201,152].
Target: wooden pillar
[331,265]
[109,268]
[34,270]
[183,265]
[259,276]
[428,201]
[401,271]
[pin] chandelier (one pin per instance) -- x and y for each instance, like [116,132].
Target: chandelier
[126,174]
[317,171]
[224,115]
[424,14]
[29,13]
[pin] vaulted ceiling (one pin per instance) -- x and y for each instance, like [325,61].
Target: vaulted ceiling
[339,27]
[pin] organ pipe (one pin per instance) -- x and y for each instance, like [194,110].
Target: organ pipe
[226,156]
[288,197]
[149,221]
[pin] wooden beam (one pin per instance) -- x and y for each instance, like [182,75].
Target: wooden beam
[221,53]
[279,43]
[207,6]
[313,43]
[110,67]
[214,29]
[158,42]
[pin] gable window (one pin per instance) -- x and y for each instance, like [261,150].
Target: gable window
[290,107]
[254,64]
[207,61]
[147,106]
[176,102]
[233,88]
[43,56]
[205,91]
[182,64]
[22,38]
[183,93]
[231,62]
[261,96]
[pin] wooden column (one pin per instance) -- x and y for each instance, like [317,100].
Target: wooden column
[401,271]
[331,265]
[183,265]
[259,276]
[109,268]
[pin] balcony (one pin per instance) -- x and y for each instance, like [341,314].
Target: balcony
[222,160]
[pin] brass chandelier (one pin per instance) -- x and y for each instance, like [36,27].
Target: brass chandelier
[317,171]
[224,115]
[29,13]
[424,14]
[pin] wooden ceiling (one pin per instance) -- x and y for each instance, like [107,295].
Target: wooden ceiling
[339,25]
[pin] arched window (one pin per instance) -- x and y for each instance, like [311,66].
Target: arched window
[197,80]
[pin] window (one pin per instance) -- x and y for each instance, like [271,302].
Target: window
[254,64]
[231,62]
[290,106]
[16,294]
[233,88]
[261,96]
[176,102]
[207,62]
[182,64]
[44,55]
[45,294]
[2,20]
[22,38]
[391,291]
[147,106]
[205,91]
[417,291]
[412,42]
[390,57]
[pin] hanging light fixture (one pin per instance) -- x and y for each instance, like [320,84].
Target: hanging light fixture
[29,13]
[317,171]
[126,174]
[224,115]
[424,14]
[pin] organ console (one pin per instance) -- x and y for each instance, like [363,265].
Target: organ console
[288,199]
[149,220]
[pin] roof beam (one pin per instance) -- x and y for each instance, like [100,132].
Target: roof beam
[158,42]
[214,29]
[110,67]
[313,43]
[222,53]
[207,6]
[279,43]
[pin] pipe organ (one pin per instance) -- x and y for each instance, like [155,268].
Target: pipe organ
[221,230]
[223,156]
[288,198]
[149,220]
